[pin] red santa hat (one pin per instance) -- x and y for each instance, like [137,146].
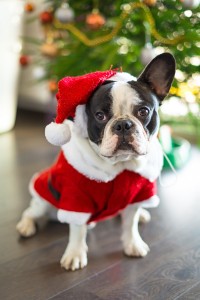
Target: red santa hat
[72,91]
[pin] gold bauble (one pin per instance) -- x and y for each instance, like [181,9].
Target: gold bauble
[49,49]
[95,20]
[29,7]
[150,2]
[53,86]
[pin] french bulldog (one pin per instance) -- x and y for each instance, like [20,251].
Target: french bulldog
[110,164]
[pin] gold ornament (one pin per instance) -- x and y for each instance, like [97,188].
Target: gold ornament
[53,86]
[49,49]
[29,7]
[95,20]
[150,2]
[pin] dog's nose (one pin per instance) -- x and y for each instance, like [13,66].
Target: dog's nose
[122,127]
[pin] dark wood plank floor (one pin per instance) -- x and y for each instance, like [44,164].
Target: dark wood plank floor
[29,268]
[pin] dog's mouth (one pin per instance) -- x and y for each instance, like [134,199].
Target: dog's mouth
[124,145]
[129,146]
[124,148]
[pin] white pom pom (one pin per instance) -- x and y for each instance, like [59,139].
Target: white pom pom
[57,134]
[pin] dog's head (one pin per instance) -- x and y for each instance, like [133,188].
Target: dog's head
[123,116]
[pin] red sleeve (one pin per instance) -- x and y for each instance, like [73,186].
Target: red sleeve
[148,190]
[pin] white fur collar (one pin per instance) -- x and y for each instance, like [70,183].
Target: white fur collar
[84,159]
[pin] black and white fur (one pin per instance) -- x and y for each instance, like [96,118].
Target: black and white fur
[115,131]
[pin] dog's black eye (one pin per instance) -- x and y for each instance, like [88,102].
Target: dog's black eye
[143,111]
[100,116]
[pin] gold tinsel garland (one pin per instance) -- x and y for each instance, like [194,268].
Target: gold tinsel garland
[106,38]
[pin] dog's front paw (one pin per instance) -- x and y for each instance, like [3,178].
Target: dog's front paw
[74,259]
[26,227]
[136,248]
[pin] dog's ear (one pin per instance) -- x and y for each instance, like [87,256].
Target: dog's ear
[158,74]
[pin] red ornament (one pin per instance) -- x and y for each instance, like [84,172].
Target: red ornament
[29,7]
[46,17]
[95,20]
[24,60]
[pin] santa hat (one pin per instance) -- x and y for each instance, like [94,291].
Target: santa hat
[72,91]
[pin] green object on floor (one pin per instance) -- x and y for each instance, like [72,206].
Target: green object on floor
[179,153]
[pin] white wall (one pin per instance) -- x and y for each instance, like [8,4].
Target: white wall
[10,29]
[33,95]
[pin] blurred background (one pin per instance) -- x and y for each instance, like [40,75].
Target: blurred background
[43,41]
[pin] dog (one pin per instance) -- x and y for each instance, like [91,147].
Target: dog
[111,162]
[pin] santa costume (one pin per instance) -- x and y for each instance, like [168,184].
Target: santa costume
[80,185]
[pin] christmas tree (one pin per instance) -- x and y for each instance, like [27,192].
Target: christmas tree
[84,36]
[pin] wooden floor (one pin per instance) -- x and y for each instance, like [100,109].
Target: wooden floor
[30,269]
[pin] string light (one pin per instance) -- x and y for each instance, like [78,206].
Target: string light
[127,9]
[185,90]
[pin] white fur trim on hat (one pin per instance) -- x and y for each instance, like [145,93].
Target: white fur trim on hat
[122,76]
[57,134]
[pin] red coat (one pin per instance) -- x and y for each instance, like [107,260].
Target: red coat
[67,189]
